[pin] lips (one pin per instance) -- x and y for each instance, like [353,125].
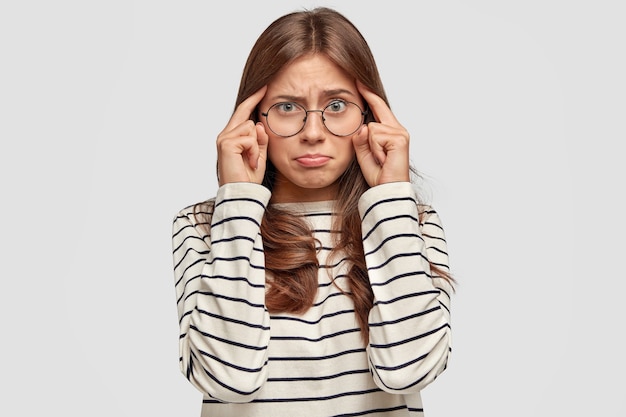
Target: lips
[312,160]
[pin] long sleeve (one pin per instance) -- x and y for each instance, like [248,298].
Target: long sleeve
[220,290]
[410,320]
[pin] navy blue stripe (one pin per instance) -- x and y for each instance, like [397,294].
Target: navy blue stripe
[191,265]
[223,318]
[437,249]
[404,296]
[235,218]
[405,318]
[373,411]
[399,255]
[233,366]
[443,291]
[388,200]
[316,358]
[391,238]
[405,387]
[231,239]
[405,275]
[435,225]
[201,253]
[185,241]
[235,258]
[325,214]
[307,339]
[410,339]
[433,237]
[303,399]
[320,378]
[234,299]
[401,366]
[325,316]
[335,294]
[187,226]
[228,387]
[232,278]
[227,341]
[232,200]
[388,219]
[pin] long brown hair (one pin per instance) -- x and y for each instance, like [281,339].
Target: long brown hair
[289,247]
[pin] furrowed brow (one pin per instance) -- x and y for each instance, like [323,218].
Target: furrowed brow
[337,92]
[326,94]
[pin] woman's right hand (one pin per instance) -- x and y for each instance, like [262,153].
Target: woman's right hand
[242,145]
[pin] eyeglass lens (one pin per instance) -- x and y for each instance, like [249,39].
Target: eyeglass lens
[341,118]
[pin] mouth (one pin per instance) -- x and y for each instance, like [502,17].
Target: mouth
[312,160]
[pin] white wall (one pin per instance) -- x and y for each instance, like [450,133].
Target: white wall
[108,114]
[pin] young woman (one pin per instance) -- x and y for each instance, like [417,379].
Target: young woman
[314,283]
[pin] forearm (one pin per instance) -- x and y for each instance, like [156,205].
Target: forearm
[221,289]
[409,322]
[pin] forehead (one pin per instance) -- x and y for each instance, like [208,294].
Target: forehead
[311,77]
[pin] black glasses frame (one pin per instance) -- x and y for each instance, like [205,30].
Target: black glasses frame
[306,116]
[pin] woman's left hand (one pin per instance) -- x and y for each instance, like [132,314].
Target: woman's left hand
[382,147]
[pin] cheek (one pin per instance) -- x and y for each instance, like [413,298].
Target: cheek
[347,149]
[275,149]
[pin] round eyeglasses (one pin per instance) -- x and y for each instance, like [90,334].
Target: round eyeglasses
[341,118]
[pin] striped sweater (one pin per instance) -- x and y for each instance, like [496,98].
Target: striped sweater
[248,362]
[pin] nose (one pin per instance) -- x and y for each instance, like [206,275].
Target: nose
[314,129]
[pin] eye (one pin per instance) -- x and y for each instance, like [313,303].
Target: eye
[286,107]
[336,106]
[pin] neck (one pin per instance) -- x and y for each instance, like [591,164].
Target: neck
[286,192]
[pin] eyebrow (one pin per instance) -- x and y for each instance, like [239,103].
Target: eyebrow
[325,93]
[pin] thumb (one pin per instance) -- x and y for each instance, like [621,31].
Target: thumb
[364,156]
[360,140]
[261,135]
[363,150]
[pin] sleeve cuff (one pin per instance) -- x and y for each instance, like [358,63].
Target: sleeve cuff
[243,190]
[385,191]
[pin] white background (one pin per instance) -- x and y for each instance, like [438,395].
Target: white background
[108,116]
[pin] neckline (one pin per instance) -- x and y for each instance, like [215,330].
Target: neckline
[307,206]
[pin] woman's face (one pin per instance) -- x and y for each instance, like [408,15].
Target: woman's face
[310,162]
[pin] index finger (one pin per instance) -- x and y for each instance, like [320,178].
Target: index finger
[377,105]
[245,108]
